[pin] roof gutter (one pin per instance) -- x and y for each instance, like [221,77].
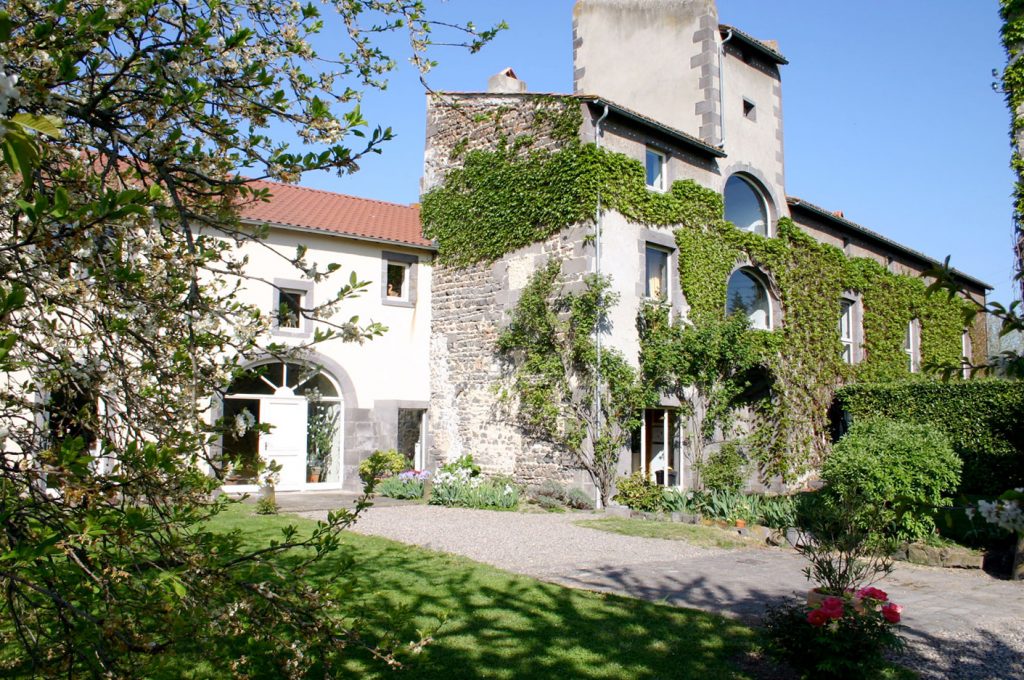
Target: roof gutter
[721,88]
[847,225]
[677,135]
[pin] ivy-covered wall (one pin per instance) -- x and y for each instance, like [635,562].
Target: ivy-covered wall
[497,199]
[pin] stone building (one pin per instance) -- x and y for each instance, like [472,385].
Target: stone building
[711,113]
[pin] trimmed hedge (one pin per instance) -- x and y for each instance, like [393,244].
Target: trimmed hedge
[983,419]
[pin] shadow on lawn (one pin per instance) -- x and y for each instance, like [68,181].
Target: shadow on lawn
[498,625]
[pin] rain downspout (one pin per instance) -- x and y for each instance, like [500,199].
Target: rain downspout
[597,271]
[721,87]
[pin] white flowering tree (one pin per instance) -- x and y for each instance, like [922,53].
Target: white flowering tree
[126,127]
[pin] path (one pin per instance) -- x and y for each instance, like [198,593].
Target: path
[961,624]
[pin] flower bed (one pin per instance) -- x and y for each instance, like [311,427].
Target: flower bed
[459,487]
[405,485]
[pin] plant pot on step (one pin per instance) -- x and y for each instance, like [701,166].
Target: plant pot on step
[313,475]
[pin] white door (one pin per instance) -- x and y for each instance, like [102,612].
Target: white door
[286,442]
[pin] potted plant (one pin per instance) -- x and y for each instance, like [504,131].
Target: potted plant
[843,549]
[322,430]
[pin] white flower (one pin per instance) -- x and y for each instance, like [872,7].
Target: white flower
[8,91]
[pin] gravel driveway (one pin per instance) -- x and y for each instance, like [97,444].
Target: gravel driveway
[961,623]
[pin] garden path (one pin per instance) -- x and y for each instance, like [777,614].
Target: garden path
[961,623]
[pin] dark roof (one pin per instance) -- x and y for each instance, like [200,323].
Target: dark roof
[361,218]
[867,234]
[679,136]
[754,44]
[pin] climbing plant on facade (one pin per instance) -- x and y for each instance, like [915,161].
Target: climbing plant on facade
[507,197]
[566,393]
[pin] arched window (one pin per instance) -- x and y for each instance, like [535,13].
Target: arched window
[745,205]
[748,296]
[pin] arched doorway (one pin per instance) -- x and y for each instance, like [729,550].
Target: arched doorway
[302,405]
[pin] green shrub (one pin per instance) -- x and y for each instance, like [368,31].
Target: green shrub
[902,468]
[639,493]
[382,464]
[723,470]
[405,485]
[578,499]
[266,506]
[552,493]
[549,503]
[983,419]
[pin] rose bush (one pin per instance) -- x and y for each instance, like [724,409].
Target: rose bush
[842,637]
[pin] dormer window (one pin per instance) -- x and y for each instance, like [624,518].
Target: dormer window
[655,170]
[745,205]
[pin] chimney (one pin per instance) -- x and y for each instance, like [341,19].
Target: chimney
[505,82]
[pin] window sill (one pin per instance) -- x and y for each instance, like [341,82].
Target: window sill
[392,302]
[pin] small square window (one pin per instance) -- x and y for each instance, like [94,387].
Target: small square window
[656,284]
[289,308]
[397,281]
[655,170]
[749,110]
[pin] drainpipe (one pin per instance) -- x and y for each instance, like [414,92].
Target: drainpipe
[721,86]
[597,270]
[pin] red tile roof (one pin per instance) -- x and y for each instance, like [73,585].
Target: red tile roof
[297,206]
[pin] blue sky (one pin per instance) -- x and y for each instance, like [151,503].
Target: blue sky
[889,112]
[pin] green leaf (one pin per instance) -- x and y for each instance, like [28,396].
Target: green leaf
[5,27]
[46,125]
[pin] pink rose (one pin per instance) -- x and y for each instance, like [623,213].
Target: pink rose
[872,593]
[816,617]
[892,612]
[832,607]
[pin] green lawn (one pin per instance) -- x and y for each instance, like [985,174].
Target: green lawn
[697,534]
[499,625]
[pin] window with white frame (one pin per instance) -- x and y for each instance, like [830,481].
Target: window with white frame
[746,205]
[655,170]
[846,329]
[911,346]
[656,279]
[747,295]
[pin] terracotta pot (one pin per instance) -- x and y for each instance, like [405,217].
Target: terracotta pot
[816,596]
[741,523]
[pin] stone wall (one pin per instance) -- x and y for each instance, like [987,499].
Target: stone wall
[470,305]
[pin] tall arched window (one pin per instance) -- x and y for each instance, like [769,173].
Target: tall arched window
[748,296]
[745,205]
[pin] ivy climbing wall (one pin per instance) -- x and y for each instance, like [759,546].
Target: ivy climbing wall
[493,231]
[512,183]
